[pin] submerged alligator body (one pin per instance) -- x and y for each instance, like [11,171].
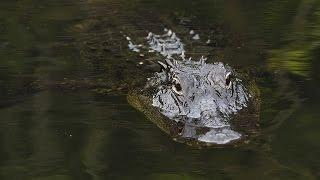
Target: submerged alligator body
[193,101]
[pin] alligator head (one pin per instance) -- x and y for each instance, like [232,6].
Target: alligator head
[200,103]
[194,101]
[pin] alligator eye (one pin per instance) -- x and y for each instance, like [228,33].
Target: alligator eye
[228,79]
[176,86]
[163,67]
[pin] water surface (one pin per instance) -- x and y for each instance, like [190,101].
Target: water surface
[95,134]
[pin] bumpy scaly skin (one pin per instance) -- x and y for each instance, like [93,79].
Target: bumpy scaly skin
[196,102]
[203,108]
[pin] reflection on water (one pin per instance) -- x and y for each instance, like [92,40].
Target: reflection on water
[295,56]
[82,134]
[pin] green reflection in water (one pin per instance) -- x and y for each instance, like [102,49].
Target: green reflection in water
[295,55]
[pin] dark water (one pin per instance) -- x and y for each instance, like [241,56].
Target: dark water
[88,134]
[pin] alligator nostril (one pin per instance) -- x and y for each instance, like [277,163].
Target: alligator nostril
[180,127]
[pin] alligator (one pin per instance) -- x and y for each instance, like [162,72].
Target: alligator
[195,102]
[199,103]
